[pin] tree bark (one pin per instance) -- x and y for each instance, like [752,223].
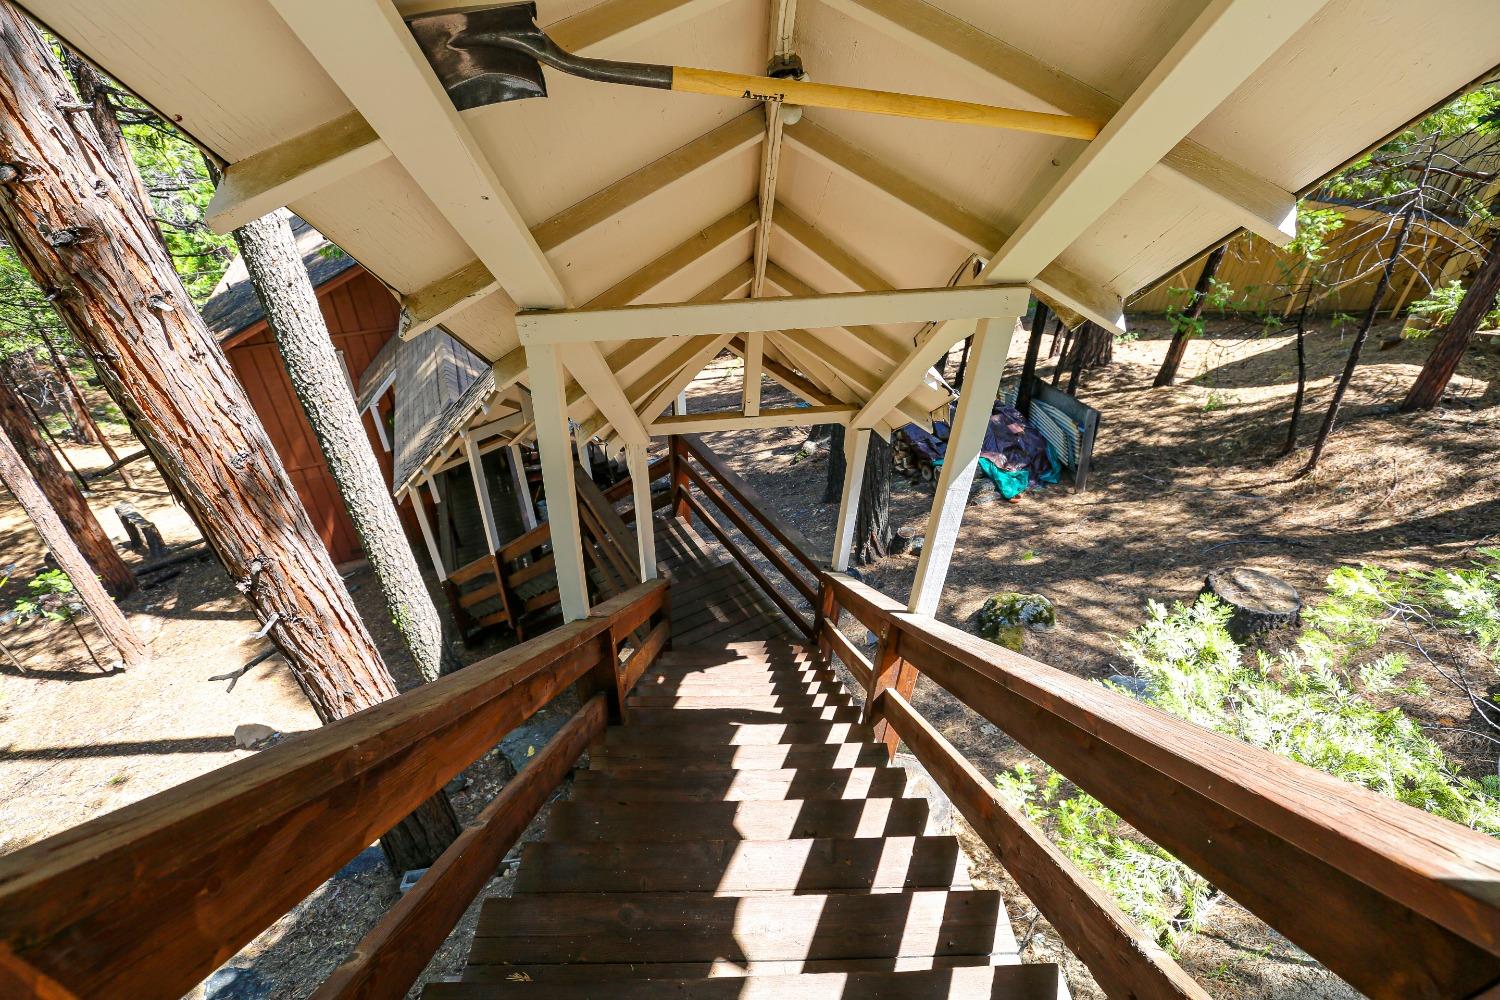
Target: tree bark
[1301,396]
[1180,336]
[269,251]
[63,495]
[1093,347]
[75,216]
[1437,371]
[1039,318]
[16,474]
[1331,417]
[873,532]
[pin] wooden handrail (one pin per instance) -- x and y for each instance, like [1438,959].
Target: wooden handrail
[769,588]
[793,540]
[149,899]
[393,954]
[1125,961]
[1398,902]
[774,557]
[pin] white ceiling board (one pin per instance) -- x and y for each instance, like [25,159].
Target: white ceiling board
[1110,45]
[818,273]
[1142,235]
[889,236]
[654,225]
[487,328]
[994,173]
[703,272]
[554,151]
[1358,71]
[385,241]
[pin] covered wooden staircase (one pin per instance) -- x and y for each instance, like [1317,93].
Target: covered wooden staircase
[737,828]
[744,823]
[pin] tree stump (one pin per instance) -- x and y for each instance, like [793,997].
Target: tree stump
[1260,601]
[144,536]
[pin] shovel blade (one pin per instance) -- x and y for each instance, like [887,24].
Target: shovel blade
[477,75]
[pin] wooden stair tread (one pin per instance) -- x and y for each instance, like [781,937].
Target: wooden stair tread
[741,786]
[754,701]
[573,821]
[688,732]
[1003,982]
[740,716]
[620,759]
[584,928]
[704,688]
[745,867]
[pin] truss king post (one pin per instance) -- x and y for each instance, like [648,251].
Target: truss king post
[554,443]
[639,465]
[981,386]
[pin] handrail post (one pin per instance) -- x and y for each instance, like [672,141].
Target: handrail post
[604,678]
[828,617]
[680,483]
[889,671]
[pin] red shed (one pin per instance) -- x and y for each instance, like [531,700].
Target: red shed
[361,314]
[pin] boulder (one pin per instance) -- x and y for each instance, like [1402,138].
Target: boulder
[1006,616]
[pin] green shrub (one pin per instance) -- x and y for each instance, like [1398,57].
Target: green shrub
[1319,704]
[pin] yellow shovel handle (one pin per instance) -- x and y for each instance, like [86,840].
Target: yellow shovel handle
[880,102]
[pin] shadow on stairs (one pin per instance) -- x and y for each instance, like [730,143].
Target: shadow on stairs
[743,835]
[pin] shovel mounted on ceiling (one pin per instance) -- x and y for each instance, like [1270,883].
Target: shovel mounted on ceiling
[494,54]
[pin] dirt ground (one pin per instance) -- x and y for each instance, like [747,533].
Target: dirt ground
[1185,479]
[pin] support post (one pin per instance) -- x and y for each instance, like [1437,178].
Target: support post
[888,670]
[549,402]
[523,489]
[755,345]
[581,443]
[856,449]
[425,523]
[986,364]
[828,618]
[680,407]
[482,493]
[639,464]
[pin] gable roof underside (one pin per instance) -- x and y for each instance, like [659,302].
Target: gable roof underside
[608,196]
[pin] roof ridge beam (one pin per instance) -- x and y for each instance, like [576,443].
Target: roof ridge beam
[305,164]
[1225,44]
[1257,204]
[1089,297]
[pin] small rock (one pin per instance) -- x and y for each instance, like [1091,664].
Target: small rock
[917,541]
[526,742]
[235,983]
[1138,688]
[253,735]
[1006,616]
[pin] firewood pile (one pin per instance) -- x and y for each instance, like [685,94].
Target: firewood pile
[907,461]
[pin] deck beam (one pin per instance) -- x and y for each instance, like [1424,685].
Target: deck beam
[917,305]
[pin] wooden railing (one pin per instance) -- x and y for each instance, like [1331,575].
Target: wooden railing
[1398,902]
[148,900]
[695,465]
[500,576]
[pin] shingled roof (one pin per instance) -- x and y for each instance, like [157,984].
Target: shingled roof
[234,307]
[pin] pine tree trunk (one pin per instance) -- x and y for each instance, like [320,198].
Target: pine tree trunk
[269,251]
[17,477]
[83,407]
[872,522]
[1094,347]
[78,413]
[833,484]
[1346,376]
[63,495]
[73,212]
[1437,371]
[1180,337]
[1301,396]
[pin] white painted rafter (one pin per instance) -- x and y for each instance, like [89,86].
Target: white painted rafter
[1220,50]
[369,52]
[320,157]
[1091,298]
[1255,203]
